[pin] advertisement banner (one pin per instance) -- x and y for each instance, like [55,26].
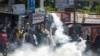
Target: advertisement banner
[65,17]
[64,3]
[40,11]
[18,8]
[31,5]
[38,18]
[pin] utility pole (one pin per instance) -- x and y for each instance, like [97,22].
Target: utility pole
[31,10]
[42,4]
[74,21]
[42,9]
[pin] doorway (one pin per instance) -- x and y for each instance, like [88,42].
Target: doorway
[94,32]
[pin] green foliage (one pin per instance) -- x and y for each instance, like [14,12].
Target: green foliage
[94,9]
[97,8]
[86,9]
[81,6]
[50,9]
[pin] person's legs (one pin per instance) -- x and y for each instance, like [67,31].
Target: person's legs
[4,49]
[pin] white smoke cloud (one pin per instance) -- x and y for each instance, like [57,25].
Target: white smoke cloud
[70,49]
[59,32]
[29,50]
[67,49]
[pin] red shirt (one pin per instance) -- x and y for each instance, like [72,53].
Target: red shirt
[3,38]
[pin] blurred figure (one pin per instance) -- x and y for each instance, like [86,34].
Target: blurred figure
[29,37]
[18,35]
[88,43]
[44,35]
[3,37]
[25,37]
[3,42]
[8,31]
[13,36]
[79,38]
[97,43]
[1,26]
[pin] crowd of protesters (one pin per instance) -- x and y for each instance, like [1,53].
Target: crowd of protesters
[11,35]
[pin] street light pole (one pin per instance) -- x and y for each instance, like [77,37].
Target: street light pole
[74,21]
[74,11]
[31,10]
[42,4]
[30,20]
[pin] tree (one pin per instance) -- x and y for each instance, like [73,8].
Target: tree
[37,3]
[97,8]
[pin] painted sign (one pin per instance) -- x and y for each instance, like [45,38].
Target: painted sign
[40,11]
[18,8]
[64,3]
[31,5]
[65,16]
[92,21]
[38,18]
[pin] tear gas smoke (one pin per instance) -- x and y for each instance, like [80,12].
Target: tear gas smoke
[67,48]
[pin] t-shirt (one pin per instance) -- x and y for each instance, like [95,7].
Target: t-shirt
[3,38]
[18,35]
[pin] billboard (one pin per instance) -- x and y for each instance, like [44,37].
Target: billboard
[31,5]
[40,11]
[18,8]
[92,21]
[65,17]
[38,18]
[64,3]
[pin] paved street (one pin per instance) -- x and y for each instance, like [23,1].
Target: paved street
[2,55]
[89,53]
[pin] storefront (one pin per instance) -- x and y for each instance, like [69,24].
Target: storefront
[9,18]
[91,28]
[14,20]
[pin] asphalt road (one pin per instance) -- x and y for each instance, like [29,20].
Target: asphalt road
[90,53]
[7,54]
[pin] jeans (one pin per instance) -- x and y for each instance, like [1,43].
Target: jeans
[3,49]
